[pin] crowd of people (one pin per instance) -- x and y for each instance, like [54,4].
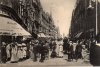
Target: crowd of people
[44,49]
[79,49]
[13,52]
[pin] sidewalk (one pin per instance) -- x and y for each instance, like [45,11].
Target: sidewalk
[55,62]
[52,62]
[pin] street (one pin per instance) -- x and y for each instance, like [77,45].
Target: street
[49,62]
[56,61]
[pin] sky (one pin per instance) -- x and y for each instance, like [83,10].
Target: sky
[61,11]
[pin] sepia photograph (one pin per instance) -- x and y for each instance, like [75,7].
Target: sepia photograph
[49,33]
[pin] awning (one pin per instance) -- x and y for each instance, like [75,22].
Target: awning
[78,35]
[21,32]
[41,35]
[11,27]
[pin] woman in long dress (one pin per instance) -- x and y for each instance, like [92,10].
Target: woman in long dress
[8,48]
[24,52]
[19,53]
[60,50]
[14,57]
[31,51]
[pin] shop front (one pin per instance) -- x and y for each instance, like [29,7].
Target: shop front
[11,31]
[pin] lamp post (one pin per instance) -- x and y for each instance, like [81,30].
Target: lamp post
[96,17]
[0,48]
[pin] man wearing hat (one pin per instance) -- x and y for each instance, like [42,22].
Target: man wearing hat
[3,53]
[35,50]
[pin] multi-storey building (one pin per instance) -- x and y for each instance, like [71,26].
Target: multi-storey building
[83,19]
[85,24]
[30,15]
[47,25]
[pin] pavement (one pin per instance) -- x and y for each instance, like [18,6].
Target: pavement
[52,62]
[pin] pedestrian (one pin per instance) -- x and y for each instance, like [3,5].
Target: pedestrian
[54,54]
[65,45]
[74,48]
[39,48]
[54,46]
[59,48]
[60,53]
[19,52]
[92,53]
[42,51]
[8,49]
[70,52]
[3,53]
[27,50]
[35,50]
[46,49]
[50,45]
[78,50]
[24,50]
[14,56]
[31,49]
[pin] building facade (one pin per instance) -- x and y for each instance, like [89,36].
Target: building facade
[31,16]
[83,21]
[47,25]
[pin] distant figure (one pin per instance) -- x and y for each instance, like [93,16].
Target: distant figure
[24,48]
[35,50]
[3,53]
[54,54]
[74,48]
[54,46]
[31,49]
[60,48]
[71,52]
[50,45]
[60,54]
[78,51]
[19,53]
[65,45]
[42,51]
[8,50]
[47,49]
[14,56]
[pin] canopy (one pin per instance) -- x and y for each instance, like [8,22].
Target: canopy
[41,35]
[11,27]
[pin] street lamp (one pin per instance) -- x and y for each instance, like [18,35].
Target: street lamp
[96,16]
